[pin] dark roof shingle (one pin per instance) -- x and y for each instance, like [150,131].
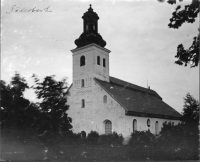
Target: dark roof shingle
[137,100]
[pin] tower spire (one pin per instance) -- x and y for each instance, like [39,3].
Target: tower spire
[90,8]
[90,30]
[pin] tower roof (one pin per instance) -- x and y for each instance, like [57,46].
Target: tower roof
[90,14]
[90,30]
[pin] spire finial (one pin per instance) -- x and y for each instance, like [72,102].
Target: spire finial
[90,9]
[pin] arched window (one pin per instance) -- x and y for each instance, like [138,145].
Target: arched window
[98,60]
[108,127]
[156,128]
[82,103]
[83,134]
[104,62]
[82,61]
[105,99]
[148,122]
[134,125]
[82,83]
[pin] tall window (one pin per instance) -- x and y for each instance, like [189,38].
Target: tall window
[134,125]
[148,122]
[82,103]
[82,61]
[105,99]
[108,127]
[156,128]
[104,62]
[98,60]
[82,83]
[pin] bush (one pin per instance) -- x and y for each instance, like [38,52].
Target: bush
[72,138]
[176,142]
[93,137]
[111,139]
[140,145]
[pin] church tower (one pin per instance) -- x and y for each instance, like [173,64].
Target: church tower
[90,58]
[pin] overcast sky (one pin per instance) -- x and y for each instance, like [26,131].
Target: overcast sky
[137,33]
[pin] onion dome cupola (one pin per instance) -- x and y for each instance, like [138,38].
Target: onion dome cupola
[90,30]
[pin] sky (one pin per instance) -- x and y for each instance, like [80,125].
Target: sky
[136,31]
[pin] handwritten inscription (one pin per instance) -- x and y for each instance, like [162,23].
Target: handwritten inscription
[24,9]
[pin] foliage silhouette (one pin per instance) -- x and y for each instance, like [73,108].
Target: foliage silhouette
[14,108]
[54,124]
[190,113]
[187,14]
[182,140]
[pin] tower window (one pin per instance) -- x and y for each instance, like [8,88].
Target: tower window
[98,60]
[82,61]
[82,103]
[148,122]
[105,99]
[156,128]
[104,62]
[82,83]
[134,125]
[90,27]
[108,127]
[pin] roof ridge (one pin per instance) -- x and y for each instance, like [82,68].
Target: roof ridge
[137,104]
[142,89]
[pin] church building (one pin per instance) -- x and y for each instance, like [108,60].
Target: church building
[101,103]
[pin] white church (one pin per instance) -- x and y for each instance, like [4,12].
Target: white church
[101,103]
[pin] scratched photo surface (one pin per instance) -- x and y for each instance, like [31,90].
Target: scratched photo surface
[37,37]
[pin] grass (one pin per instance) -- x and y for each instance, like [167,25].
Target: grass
[79,152]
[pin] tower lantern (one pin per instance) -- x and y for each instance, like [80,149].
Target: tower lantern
[90,30]
[90,21]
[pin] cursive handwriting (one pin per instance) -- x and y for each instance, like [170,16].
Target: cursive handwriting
[24,9]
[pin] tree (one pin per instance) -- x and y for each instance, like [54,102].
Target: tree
[182,139]
[54,123]
[13,105]
[190,115]
[188,14]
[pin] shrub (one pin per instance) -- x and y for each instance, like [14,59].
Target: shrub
[140,145]
[176,142]
[93,137]
[111,139]
[73,138]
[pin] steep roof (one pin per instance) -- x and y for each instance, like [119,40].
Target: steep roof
[138,101]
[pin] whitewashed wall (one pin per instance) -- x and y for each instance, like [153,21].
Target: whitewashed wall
[94,114]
